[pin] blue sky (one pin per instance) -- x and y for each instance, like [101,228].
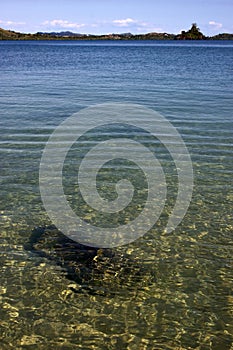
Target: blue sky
[117,16]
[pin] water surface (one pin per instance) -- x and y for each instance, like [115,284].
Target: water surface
[164,291]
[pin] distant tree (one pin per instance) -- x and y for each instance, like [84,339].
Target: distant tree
[194,27]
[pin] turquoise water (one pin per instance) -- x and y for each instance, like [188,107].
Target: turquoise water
[164,291]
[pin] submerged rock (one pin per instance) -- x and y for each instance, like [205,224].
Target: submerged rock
[97,270]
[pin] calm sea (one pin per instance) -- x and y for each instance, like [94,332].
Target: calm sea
[163,291]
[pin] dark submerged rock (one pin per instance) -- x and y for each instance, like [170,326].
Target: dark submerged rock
[97,270]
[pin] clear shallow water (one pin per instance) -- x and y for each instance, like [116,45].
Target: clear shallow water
[163,291]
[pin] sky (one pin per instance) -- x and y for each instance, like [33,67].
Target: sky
[116,16]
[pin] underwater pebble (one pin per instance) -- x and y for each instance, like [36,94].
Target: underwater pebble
[30,339]
[3,290]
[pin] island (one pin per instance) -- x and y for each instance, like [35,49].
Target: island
[193,33]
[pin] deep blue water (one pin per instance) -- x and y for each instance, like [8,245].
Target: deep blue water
[185,300]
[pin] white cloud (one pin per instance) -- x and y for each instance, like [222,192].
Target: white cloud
[137,25]
[124,22]
[60,23]
[142,27]
[11,23]
[215,25]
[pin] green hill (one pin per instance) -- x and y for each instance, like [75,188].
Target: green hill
[192,34]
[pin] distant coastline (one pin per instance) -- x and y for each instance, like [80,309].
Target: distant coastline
[193,34]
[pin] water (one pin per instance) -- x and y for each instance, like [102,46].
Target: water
[164,291]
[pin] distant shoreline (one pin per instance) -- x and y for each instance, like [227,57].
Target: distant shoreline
[189,35]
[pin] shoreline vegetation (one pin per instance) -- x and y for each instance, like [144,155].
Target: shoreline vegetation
[192,34]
